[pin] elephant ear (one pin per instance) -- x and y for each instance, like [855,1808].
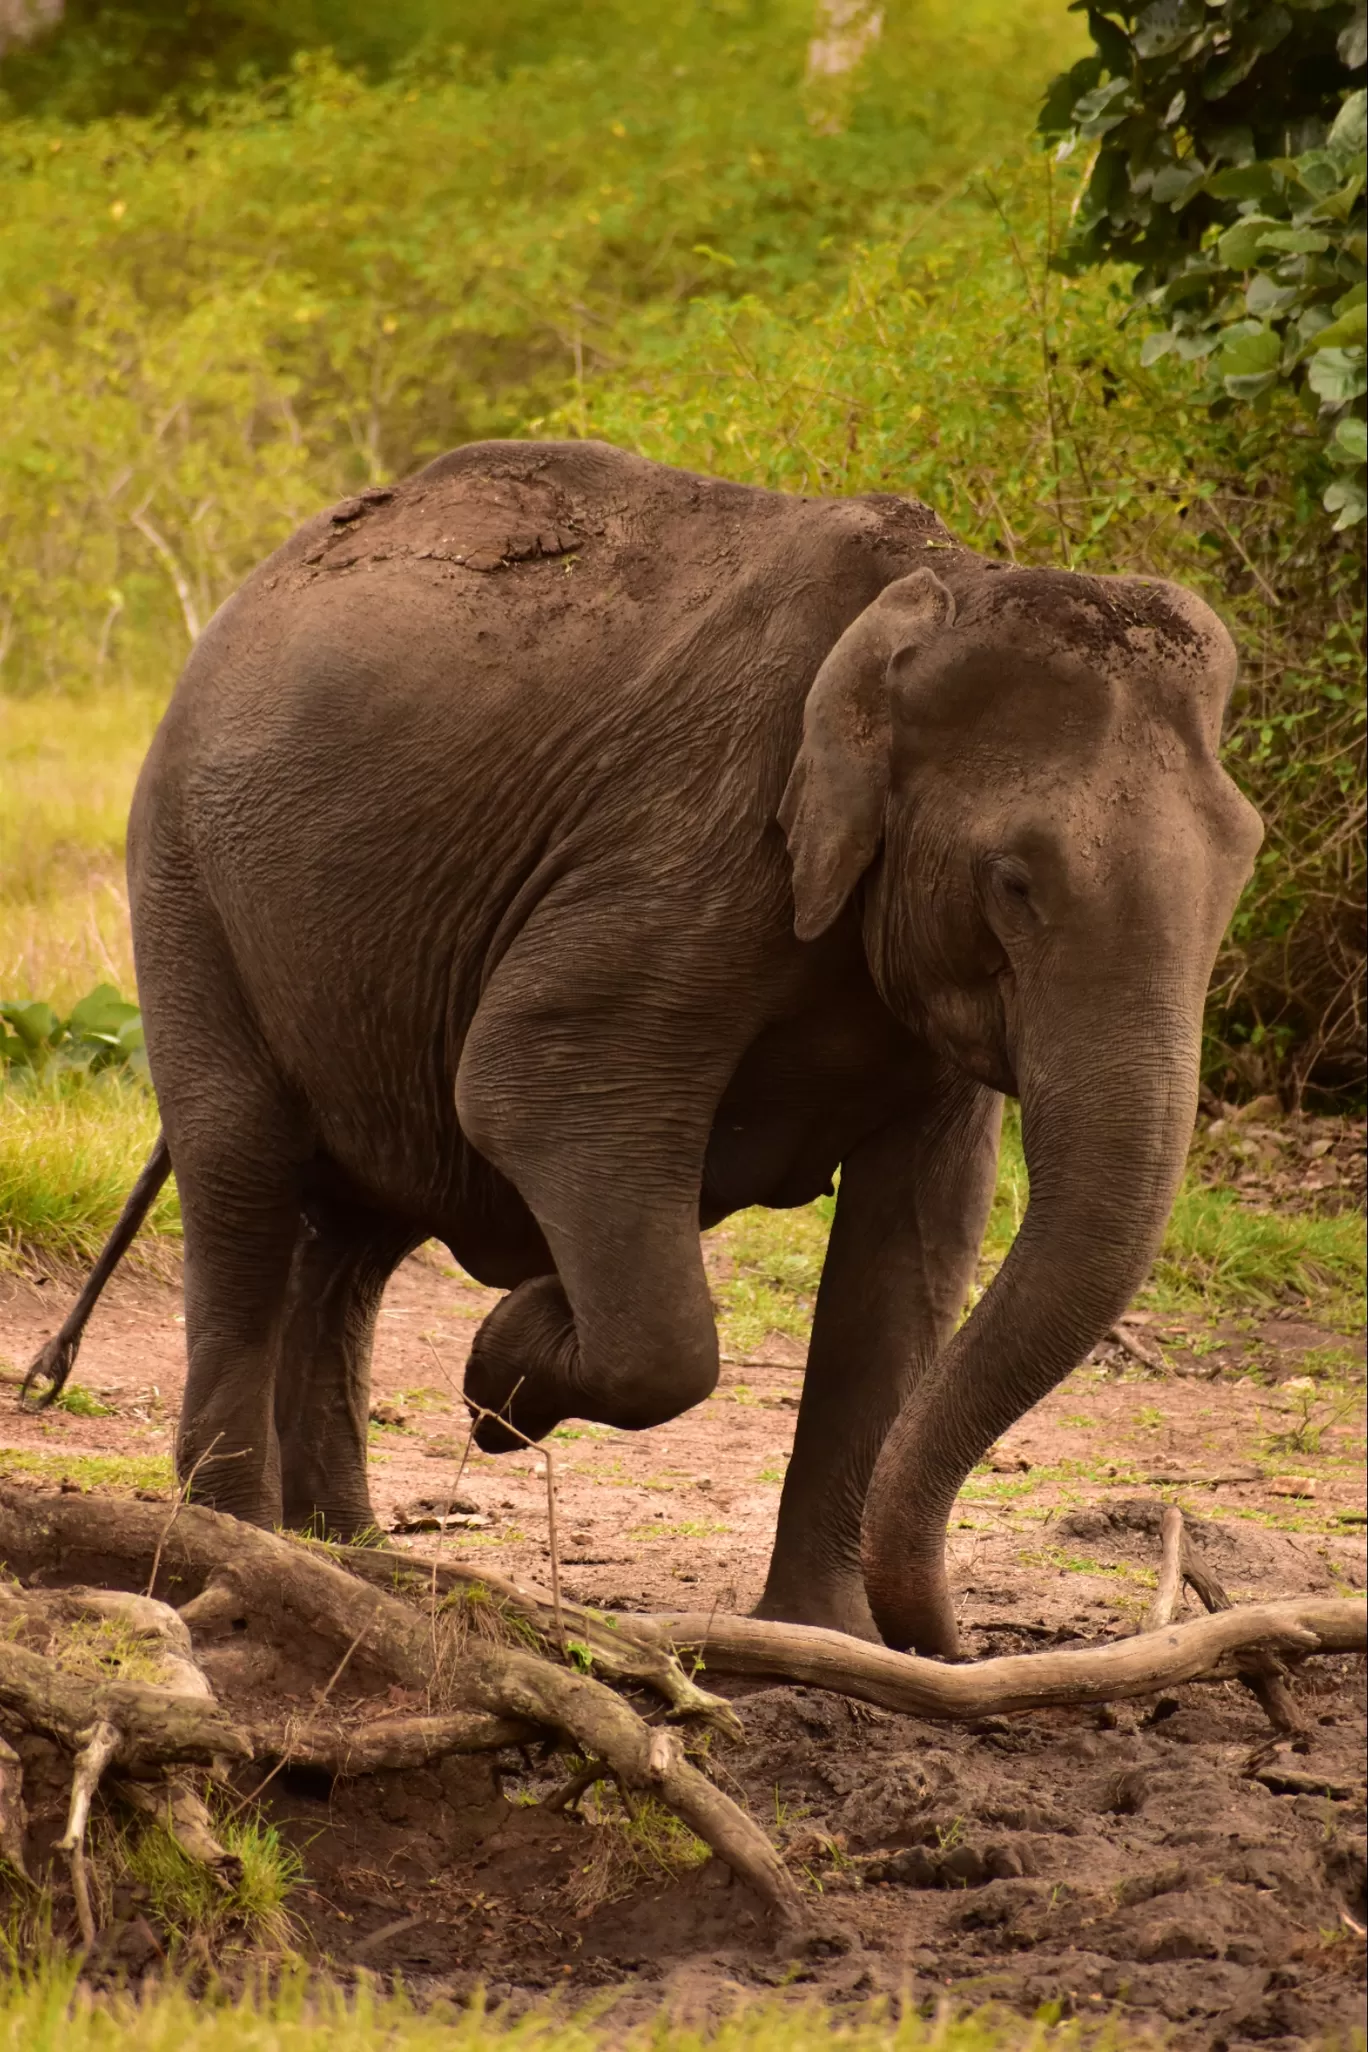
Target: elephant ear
[833,807]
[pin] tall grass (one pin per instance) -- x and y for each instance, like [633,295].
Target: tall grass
[67,767]
[68,1155]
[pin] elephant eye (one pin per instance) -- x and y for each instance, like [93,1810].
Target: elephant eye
[1010,883]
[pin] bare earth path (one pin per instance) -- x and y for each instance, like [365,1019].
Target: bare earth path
[1115,1856]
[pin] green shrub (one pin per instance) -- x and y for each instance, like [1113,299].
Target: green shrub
[621,221]
[1226,164]
[102,1032]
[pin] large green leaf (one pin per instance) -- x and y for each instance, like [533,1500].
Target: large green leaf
[1239,247]
[1350,443]
[100,1015]
[1249,360]
[1348,332]
[36,1024]
[1338,375]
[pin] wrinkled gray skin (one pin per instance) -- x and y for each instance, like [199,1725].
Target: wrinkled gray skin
[561,852]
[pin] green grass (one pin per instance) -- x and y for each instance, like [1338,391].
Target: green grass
[44,2012]
[69,1153]
[187,1902]
[91,1471]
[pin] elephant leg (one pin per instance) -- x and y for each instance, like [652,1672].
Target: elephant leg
[910,1216]
[599,1117]
[343,1259]
[239,1183]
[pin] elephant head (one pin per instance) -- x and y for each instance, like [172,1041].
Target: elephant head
[1017,772]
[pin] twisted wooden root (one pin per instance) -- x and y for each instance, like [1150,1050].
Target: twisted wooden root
[487,1694]
[1028,1681]
[1257,1667]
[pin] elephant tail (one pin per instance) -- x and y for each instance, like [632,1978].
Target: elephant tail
[47,1375]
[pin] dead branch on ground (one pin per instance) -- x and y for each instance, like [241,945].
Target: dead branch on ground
[1257,1667]
[489,1668]
[1026,1681]
[483,1692]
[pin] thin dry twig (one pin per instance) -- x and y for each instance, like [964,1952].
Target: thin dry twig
[1171,1535]
[94,1756]
[181,1497]
[1258,1668]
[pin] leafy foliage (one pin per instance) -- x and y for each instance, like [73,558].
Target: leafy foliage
[102,1032]
[1227,165]
[111,57]
[621,221]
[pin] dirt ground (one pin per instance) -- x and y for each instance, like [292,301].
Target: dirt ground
[1117,1856]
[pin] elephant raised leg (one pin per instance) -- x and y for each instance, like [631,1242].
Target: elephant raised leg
[597,1110]
[343,1258]
[910,1217]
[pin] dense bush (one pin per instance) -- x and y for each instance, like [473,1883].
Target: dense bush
[1227,166]
[209,329]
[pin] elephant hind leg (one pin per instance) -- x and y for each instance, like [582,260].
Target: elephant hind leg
[239,1180]
[343,1258]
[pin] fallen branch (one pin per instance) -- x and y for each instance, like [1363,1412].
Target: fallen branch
[220,1571]
[625,1647]
[1257,1669]
[650,1760]
[293,1584]
[99,1748]
[1029,1681]
[389,1744]
[488,1693]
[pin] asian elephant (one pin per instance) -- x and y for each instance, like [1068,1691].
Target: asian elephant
[555,853]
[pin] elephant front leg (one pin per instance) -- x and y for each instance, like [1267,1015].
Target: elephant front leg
[598,1117]
[909,1223]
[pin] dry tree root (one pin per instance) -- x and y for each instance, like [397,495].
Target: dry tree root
[627,1648]
[1257,1667]
[144,1727]
[1027,1681]
[483,1695]
[487,1666]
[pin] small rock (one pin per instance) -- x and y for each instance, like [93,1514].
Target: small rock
[1293,1485]
[388,1414]
[963,1867]
[914,1868]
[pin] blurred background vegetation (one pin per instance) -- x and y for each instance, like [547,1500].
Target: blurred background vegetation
[258,254]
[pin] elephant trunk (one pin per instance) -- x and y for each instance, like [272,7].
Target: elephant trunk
[1106,1123]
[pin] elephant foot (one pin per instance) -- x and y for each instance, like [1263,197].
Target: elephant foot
[519,1380]
[915,1612]
[826,1605]
[340,1523]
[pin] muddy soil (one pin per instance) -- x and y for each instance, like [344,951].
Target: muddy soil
[1099,1858]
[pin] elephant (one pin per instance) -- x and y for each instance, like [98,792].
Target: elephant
[554,853]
